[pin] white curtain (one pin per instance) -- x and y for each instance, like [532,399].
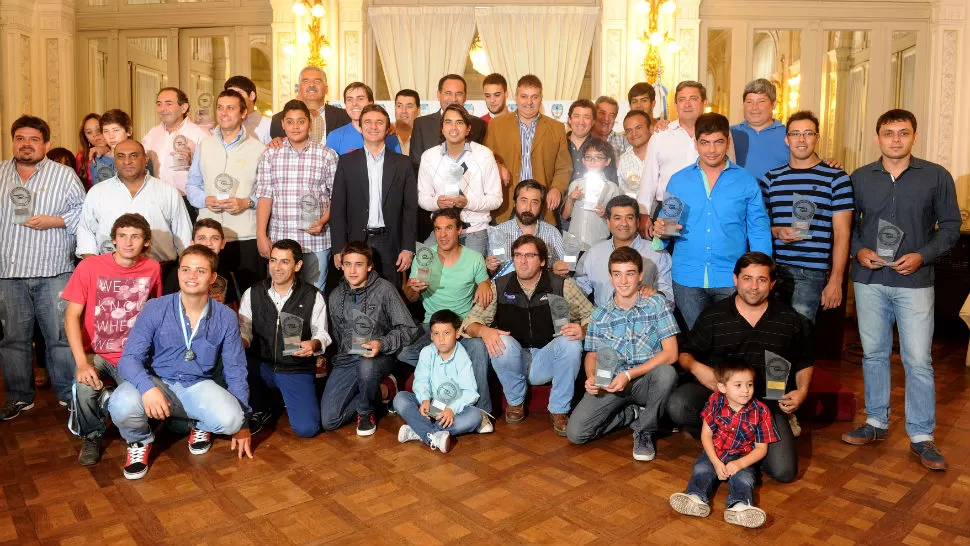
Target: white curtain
[552,42]
[420,45]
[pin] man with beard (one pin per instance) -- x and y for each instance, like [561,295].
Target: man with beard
[528,200]
[324,117]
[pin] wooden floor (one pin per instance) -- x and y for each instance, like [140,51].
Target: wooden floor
[522,484]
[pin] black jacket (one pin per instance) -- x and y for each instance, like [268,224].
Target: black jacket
[427,134]
[335,118]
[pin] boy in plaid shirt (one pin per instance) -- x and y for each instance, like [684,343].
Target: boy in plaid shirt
[737,431]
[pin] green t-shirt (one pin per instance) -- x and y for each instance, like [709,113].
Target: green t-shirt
[452,287]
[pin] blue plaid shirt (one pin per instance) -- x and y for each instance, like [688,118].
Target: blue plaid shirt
[527,133]
[635,333]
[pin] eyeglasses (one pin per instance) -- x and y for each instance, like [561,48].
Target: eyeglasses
[594,157]
[524,255]
[807,134]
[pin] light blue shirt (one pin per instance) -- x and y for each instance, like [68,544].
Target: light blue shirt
[195,185]
[760,151]
[432,372]
[375,183]
[593,271]
[346,139]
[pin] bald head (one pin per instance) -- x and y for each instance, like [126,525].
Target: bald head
[131,161]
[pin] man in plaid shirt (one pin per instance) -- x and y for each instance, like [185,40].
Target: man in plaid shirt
[643,333]
[293,184]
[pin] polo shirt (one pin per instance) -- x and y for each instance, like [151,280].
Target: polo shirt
[760,151]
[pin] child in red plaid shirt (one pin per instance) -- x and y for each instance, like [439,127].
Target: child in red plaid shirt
[736,434]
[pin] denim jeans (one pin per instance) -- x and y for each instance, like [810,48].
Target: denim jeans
[315,266]
[557,362]
[89,415]
[407,406]
[477,353]
[878,307]
[21,301]
[801,288]
[300,397]
[691,301]
[704,480]
[598,415]
[353,387]
[213,409]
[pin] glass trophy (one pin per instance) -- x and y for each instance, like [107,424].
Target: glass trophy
[607,362]
[445,394]
[452,174]
[225,185]
[888,239]
[310,210]
[22,200]
[292,328]
[632,183]
[571,247]
[802,213]
[776,376]
[594,184]
[559,308]
[424,257]
[497,244]
[363,332]
[103,172]
[219,288]
[671,213]
[106,247]
[181,153]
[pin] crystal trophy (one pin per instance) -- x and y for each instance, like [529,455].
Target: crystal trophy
[452,174]
[22,200]
[776,376]
[219,288]
[607,362]
[571,246]
[363,331]
[292,327]
[559,308]
[802,213]
[181,153]
[671,213]
[497,244]
[310,210]
[888,239]
[225,185]
[424,257]
[106,247]
[594,185]
[445,394]
[103,172]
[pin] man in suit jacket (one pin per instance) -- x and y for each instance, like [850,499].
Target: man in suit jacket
[544,141]
[375,199]
[313,91]
[427,129]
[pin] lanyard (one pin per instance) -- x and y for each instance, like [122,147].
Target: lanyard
[189,353]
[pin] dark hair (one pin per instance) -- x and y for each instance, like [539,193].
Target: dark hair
[710,123]
[117,117]
[82,169]
[598,145]
[724,370]
[372,107]
[690,83]
[359,247]
[445,316]
[446,77]
[496,79]
[295,104]
[205,252]
[581,103]
[233,93]
[620,201]
[208,223]
[359,85]
[896,114]
[294,247]
[625,255]
[529,80]
[755,258]
[62,156]
[465,117]
[802,115]
[540,245]
[529,184]
[635,113]
[450,212]
[409,93]
[135,220]
[241,82]
[641,88]
[31,122]
[180,95]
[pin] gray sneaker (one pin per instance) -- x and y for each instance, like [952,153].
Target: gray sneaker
[864,434]
[643,447]
[13,409]
[689,505]
[90,451]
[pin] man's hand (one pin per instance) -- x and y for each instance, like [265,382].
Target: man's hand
[600,210]
[732,468]
[275,144]
[264,245]
[576,194]
[374,346]
[660,125]
[483,294]
[42,222]
[245,343]
[156,404]
[87,375]
[792,401]
[446,418]
[425,406]
[909,263]
[315,228]
[572,331]
[869,259]
[660,228]
[492,264]
[647,291]
[618,384]
[236,205]
[646,226]
[560,268]
[504,174]
[417,285]
[591,387]
[307,348]
[404,260]
[337,261]
[493,340]
[215,205]
[553,199]
[721,470]
[459,201]
[832,163]
[242,441]
[832,294]
[445,201]
[785,234]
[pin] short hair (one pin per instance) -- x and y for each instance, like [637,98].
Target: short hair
[409,93]
[359,85]
[208,223]
[605,99]
[620,201]
[635,113]
[312,68]
[235,94]
[691,83]
[896,114]
[205,252]
[496,79]
[581,103]
[641,88]
[529,184]
[449,212]
[598,145]
[529,80]
[359,247]
[241,82]
[445,316]
[755,258]
[294,247]
[180,96]
[802,115]
[117,117]
[625,255]
[62,156]
[132,220]
[711,122]
[461,111]
[32,122]
[446,77]
[295,104]
[724,370]
[760,86]
[540,245]
[374,107]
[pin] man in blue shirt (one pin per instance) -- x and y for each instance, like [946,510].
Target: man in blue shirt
[723,217]
[348,138]
[168,368]
[759,140]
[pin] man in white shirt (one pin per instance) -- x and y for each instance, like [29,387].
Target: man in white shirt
[256,123]
[171,144]
[636,128]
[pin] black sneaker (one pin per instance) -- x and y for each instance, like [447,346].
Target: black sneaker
[136,465]
[366,424]
[929,456]
[200,441]
[643,448]
[864,434]
[258,420]
[90,451]
[13,409]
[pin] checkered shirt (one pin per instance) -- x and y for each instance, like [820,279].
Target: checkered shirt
[736,432]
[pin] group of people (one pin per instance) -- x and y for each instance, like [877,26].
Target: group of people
[679,264]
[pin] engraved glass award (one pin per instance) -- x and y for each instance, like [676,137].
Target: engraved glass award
[671,212]
[225,185]
[292,328]
[106,247]
[571,247]
[559,308]
[424,257]
[888,239]
[594,184]
[103,172]
[181,153]
[776,376]
[445,394]
[363,331]
[496,244]
[802,213]
[219,288]
[607,362]
[452,174]
[22,200]
[310,210]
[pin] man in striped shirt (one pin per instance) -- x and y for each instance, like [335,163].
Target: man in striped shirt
[811,261]
[39,214]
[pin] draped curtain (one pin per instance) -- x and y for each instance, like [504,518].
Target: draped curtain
[418,45]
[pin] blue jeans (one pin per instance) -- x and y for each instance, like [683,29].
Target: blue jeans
[300,397]
[477,353]
[21,301]
[691,301]
[704,480]
[213,408]
[557,362]
[315,266]
[801,288]
[407,406]
[89,416]
[353,387]
[911,309]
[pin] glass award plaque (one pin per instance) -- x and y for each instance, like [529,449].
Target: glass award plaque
[802,213]
[452,174]
[22,200]
[632,182]
[445,394]
[310,210]
[292,328]
[497,244]
[219,288]
[363,331]
[776,376]
[106,247]
[424,257]
[181,153]
[103,172]
[607,362]
[594,184]
[671,212]
[559,308]
[571,247]
[225,185]
[888,239]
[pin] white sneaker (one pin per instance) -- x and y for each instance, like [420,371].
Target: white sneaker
[486,426]
[406,434]
[689,505]
[440,440]
[745,515]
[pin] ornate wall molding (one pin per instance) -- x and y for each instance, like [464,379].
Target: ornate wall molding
[947,97]
[26,92]
[614,51]
[53,88]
